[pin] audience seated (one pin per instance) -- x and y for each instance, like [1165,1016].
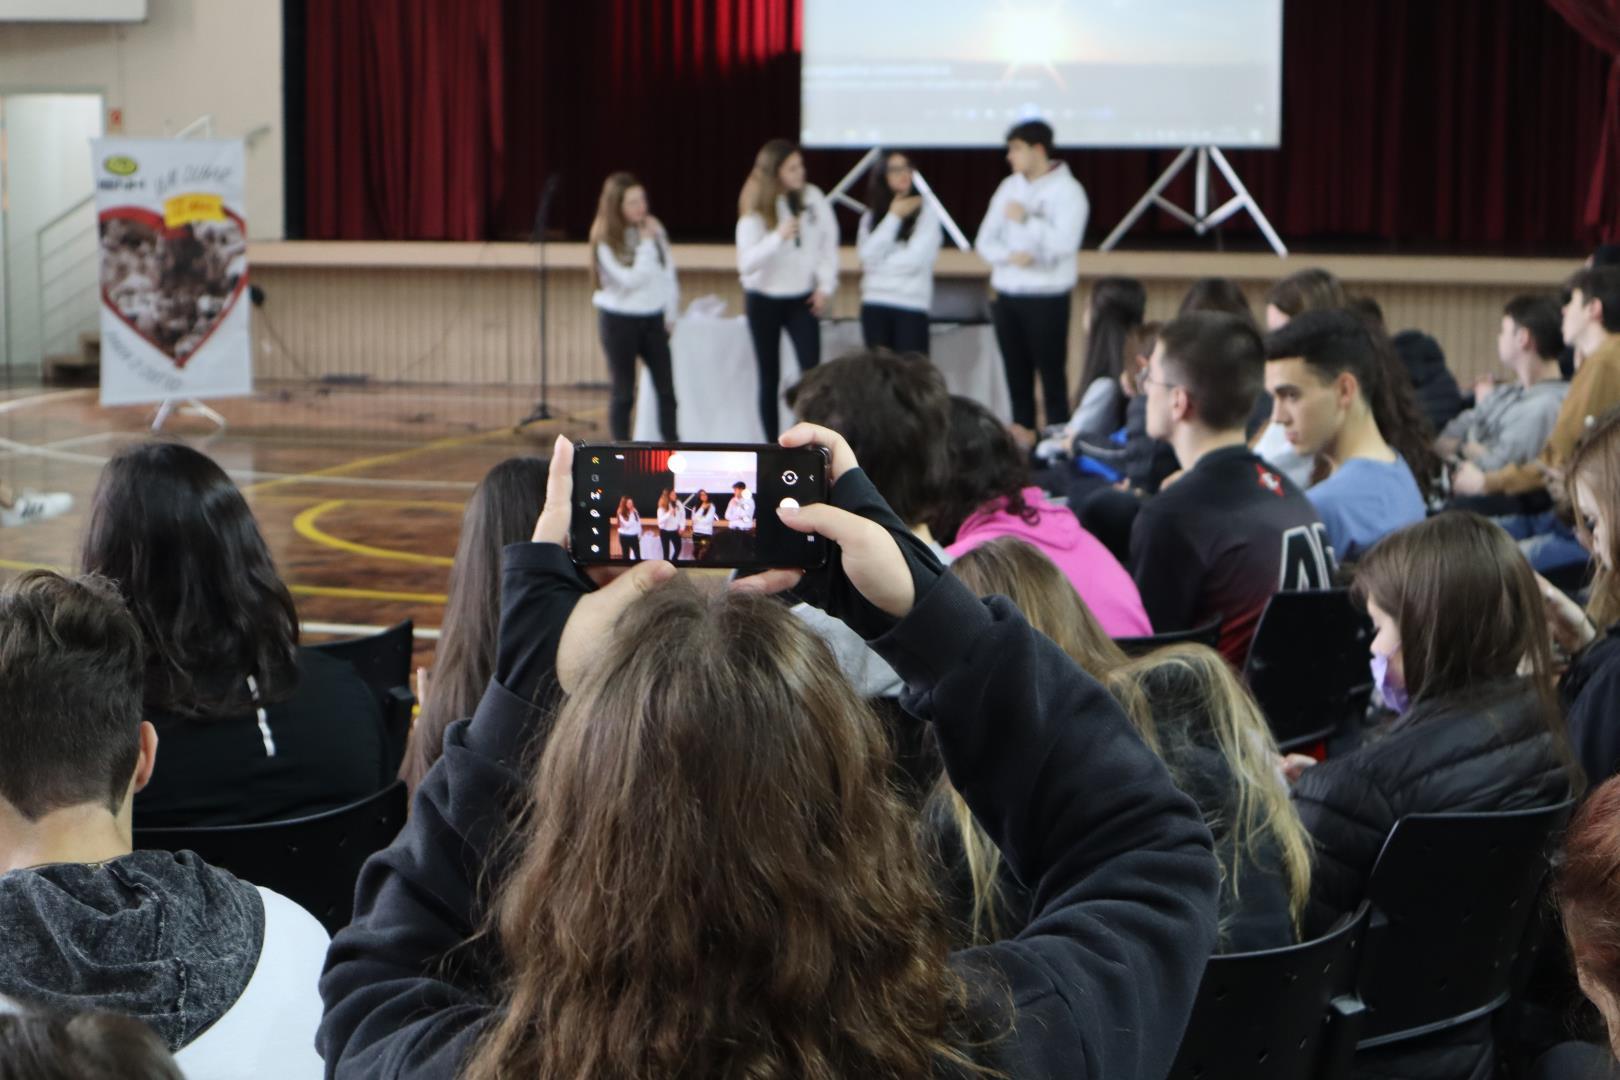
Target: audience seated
[1231,531]
[254,727]
[1141,462]
[1311,289]
[1458,618]
[712,875]
[894,409]
[1592,325]
[1192,710]
[1325,372]
[1509,425]
[501,511]
[1117,306]
[990,495]
[1590,689]
[985,901]
[84,1046]
[1424,362]
[222,971]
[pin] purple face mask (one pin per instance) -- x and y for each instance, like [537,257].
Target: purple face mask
[1394,695]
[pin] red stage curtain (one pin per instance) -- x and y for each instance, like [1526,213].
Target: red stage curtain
[404,133]
[1598,21]
[1447,125]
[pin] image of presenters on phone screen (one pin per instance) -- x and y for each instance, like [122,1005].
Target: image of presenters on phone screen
[695,504]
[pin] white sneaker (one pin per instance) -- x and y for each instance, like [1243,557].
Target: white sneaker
[34,506]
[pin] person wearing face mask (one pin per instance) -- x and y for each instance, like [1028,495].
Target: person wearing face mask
[1462,656]
[1591,687]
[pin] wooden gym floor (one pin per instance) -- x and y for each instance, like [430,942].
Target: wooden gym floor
[359,491]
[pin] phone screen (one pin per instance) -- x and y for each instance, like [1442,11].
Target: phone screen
[695,504]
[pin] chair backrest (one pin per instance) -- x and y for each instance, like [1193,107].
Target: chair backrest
[1208,634]
[313,861]
[1307,664]
[383,661]
[1452,895]
[1281,1014]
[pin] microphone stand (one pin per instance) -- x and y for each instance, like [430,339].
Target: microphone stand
[542,411]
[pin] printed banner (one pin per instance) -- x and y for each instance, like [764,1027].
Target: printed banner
[174,278]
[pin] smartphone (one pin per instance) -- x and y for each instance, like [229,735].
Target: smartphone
[695,504]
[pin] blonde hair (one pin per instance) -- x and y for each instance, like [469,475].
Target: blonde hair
[1016,569]
[1597,461]
[762,188]
[1185,698]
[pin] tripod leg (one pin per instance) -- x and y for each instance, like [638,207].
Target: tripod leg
[1147,200]
[1248,201]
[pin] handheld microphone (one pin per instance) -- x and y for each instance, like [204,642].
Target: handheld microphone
[795,201]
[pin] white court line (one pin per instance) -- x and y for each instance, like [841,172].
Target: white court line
[48,452]
[426,633]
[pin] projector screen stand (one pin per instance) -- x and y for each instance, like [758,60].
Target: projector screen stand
[1201,220]
[870,160]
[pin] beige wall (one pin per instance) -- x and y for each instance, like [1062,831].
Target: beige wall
[468,313]
[189,58]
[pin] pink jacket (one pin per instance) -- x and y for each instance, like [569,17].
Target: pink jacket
[1101,581]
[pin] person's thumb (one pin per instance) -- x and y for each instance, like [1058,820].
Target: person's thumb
[822,519]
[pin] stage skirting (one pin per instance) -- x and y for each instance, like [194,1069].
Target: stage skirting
[469,313]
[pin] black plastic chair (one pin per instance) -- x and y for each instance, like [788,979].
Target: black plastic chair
[1281,1014]
[384,662]
[1208,634]
[1307,665]
[313,861]
[1452,896]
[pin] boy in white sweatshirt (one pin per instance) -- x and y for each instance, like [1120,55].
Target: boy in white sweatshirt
[1030,236]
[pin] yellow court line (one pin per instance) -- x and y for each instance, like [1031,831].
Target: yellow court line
[361,500]
[447,443]
[304,525]
[301,590]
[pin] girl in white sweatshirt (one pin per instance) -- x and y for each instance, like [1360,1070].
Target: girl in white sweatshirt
[787,256]
[1031,239]
[629,529]
[898,240]
[636,299]
[703,517]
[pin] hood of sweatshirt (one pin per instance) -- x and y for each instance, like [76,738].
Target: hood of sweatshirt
[1054,527]
[162,937]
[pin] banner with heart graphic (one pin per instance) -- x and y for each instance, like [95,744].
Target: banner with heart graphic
[174,276]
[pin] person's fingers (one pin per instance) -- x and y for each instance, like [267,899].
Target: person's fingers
[824,519]
[770,581]
[552,525]
[802,434]
[593,617]
[640,579]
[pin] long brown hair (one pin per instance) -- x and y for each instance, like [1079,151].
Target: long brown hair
[1311,289]
[762,188]
[1467,607]
[501,511]
[1184,700]
[1018,570]
[717,878]
[1596,460]
[609,226]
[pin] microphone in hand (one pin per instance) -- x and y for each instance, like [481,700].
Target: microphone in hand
[795,201]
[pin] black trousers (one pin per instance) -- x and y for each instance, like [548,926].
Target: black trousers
[625,337]
[672,543]
[630,546]
[1032,333]
[768,316]
[900,329]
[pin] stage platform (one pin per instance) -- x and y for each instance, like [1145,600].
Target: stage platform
[469,313]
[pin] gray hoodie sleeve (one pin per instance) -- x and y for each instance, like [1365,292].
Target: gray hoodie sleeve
[1525,427]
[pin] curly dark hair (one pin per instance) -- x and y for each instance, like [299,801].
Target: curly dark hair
[986,466]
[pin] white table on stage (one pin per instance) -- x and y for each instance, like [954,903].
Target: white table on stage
[716,380]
